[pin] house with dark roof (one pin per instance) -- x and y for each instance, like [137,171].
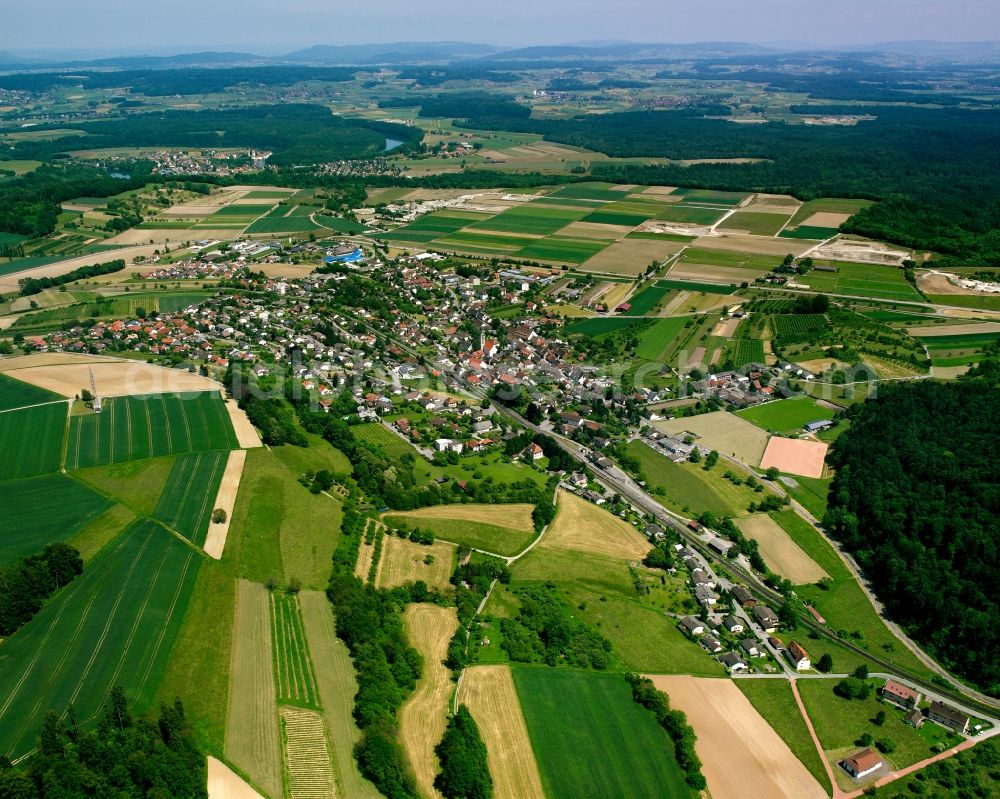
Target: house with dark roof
[949,717]
[733,662]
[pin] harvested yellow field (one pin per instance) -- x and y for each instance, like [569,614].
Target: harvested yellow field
[307,758]
[764,245]
[630,256]
[337,687]
[404,561]
[424,716]
[489,693]
[740,752]
[215,541]
[723,431]
[712,273]
[595,230]
[780,552]
[953,330]
[9,282]
[246,433]
[825,219]
[582,526]
[114,377]
[366,554]
[224,783]
[252,739]
[513,517]
[616,295]
[795,456]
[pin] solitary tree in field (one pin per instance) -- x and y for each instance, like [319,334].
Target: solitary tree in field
[218,516]
[825,663]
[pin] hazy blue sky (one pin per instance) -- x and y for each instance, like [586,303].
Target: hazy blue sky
[278,25]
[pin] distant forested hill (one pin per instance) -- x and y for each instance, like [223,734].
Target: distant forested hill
[296,133]
[916,500]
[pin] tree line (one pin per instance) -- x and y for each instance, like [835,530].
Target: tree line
[27,583]
[123,757]
[36,285]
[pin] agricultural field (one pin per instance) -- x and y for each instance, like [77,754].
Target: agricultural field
[489,693]
[796,326]
[186,503]
[581,526]
[252,734]
[476,526]
[18,394]
[774,701]
[295,683]
[308,768]
[285,219]
[741,754]
[820,219]
[744,351]
[31,440]
[722,431]
[133,428]
[405,561]
[591,739]
[787,415]
[337,686]
[861,280]
[69,507]
[756,223]
[113,625]
[646,300]
[424,715]
[779,551]
[654,343]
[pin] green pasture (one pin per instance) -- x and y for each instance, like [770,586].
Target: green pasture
[644,302]
[529,218]
[654,342]
[759,224]
[186,503]
[18,394]
[811,232]
[31,440]
[39,511]
[685,285]
[613,218]
[679,212]
[731,258]
[600,325]
[563,248]
[591,739]
[863,280]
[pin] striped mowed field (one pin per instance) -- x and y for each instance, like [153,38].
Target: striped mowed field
[186,502]
[31,440]
[133,428]
[113,625]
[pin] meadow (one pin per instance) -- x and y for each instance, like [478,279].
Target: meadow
[31,440]
[489,537]
[646,300]
[24,530]
[113,625]
[655,341]
[787,415]
[133,428]
[591,739]
[18,394]
[758,224]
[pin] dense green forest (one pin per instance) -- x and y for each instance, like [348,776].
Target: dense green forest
[925,529]
[123,757]
[934,170]
[297,133]
[184,81]
[27,583]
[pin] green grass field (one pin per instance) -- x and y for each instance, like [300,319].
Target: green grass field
[839,722]
[134,428]
[591,739]
[294,681]
[687,485]
[18,394]
[113,625]
[690,285]
[277,222]
[773,699]
[694,215]
[490,537]
[730,258]
[787,415]
[338,225]
[644,302]
[137,484]
[599,325]
[186,503]
[862,280]
[40,511]
[756,223]
[653,343]
[529,218]
[380,436]
[31,440]
[843,603]
[562,248]
[827,205]
[283,530]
